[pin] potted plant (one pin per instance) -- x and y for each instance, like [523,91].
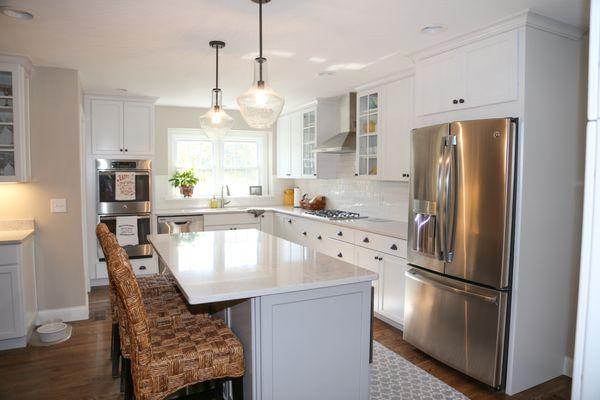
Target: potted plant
[185,181]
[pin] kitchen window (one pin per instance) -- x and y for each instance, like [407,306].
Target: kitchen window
[239,160]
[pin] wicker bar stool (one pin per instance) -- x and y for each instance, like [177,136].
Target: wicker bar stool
[170,354]
[152,287]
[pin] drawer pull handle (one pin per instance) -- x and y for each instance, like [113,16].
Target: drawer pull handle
[319,237]
[304,233]
[366,240]
[380,258]
[340,255]
[394,247]
[376,257]
[142,267]
[340,233]
[290,221]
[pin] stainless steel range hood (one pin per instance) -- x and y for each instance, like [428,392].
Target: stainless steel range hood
[345,141]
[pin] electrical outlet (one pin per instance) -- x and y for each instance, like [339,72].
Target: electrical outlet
[58,205]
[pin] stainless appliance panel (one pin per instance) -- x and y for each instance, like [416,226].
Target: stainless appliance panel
[460,324]
[478,197]
[425,222]
[106,204]
[141,250]
[180,224]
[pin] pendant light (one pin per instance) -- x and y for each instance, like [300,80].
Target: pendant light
[260,105]
[216,123]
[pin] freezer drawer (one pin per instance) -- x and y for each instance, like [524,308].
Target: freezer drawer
[460,324]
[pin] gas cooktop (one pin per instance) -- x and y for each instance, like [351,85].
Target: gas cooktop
[335,214]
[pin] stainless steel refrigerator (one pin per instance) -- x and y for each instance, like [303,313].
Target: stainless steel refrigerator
[460,244]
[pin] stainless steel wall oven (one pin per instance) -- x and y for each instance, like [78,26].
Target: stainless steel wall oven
[108,201]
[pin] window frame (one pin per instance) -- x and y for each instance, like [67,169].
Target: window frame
[264,149]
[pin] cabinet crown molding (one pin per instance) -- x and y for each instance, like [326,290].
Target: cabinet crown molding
[120,96]
[525,18]
[24,61]
[405,73]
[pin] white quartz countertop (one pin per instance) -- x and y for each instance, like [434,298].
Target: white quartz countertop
[231,265]
[396,229]
[15,231]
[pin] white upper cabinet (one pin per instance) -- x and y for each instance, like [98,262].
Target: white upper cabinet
[395,140]
[298,133]
[14,119]
[120,126]
[309,142]
[106,124]
[479,74]
[368,132]
[138,130]
[284,155]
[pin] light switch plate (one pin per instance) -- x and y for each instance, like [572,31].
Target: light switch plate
[58,205]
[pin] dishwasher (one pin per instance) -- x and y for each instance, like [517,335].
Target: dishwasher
[180,223]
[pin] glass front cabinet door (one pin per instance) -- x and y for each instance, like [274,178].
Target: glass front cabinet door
[368,133]
[309,142]
[14,123]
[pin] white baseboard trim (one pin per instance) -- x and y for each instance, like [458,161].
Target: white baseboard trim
[67,314]
[568,366]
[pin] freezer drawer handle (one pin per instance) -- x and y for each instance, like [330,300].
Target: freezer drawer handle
[426,281]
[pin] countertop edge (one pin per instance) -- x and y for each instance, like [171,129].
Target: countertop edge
[277,290]
[297,212]
[15,236]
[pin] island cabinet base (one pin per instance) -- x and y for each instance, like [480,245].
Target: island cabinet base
[310,344]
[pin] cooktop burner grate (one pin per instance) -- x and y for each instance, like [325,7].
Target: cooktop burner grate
[335,214]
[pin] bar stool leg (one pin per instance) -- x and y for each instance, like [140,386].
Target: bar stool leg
[237,386]
[115,347]
[128,392]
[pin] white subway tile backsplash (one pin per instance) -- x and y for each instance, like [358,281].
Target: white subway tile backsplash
[372,198]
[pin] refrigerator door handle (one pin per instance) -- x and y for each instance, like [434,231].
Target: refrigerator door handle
[415,275]
[441,199]
[451,197]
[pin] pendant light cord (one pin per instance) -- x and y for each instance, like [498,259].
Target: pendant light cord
[217,68]
[260,44]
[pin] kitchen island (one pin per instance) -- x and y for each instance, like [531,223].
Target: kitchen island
[303,317]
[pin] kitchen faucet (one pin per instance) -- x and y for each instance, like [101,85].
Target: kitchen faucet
[223,202]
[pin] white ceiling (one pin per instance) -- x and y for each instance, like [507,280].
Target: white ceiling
[160,48]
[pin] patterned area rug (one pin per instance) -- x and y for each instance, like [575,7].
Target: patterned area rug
[394,378]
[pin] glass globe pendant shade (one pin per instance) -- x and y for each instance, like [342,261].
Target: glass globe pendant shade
[216,122]
[260,105]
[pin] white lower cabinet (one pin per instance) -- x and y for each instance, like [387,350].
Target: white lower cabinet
[392,288]
[231,227]
[267,222]
[369,259]
[140,266]
[18,299]
[230,221]
[381,254]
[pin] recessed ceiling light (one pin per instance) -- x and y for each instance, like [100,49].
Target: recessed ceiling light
[434,28]
[15,13]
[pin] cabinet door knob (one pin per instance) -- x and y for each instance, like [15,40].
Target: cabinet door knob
[319,237]
[126,149]
[314,174]
[304,233]
[394,247]
[340,255]
[340,233]
[120,149]
[454,101]
[380,258]
[376,257]
[289,221]
[366,240]
[461,101]
[355,174]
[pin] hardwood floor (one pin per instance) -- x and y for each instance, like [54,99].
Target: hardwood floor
[80,367]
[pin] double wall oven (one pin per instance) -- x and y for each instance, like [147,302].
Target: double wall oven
[135,207]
